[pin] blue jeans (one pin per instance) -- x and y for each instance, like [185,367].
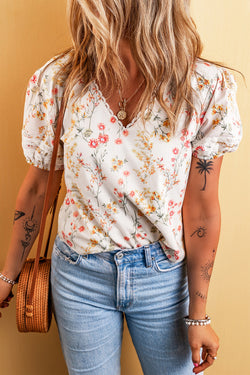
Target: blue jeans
[92,294]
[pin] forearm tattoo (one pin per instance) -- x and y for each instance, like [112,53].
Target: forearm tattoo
[201,295]
[30,225]
[200,232]
[18,215]
[206,271]
[204,167]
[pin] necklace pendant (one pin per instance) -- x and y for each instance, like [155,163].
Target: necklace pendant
[121,114]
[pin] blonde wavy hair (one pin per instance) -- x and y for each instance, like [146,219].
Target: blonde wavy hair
[163,40]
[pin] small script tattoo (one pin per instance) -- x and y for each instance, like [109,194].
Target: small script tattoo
[202,296]
[204,167]
[206,271]
[30,226]
[201,232]
[18,215]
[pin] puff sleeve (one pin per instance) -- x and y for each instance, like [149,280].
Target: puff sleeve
[220,128]
[41,109]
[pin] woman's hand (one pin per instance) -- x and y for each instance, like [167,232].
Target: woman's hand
[203,337]
[5,294]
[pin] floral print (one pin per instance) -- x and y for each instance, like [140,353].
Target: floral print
[125,186]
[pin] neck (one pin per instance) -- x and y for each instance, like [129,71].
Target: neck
[128,59]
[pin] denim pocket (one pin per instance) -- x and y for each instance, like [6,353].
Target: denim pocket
[66,253]
[161,263]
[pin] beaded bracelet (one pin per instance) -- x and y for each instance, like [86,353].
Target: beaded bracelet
[197,322]
[7,280]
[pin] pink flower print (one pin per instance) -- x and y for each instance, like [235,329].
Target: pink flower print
[202,117]
[170,203]
[185,155]
[120,181]
[126,173]
[28,92]
[64,235]
[169,256]
[118,141]
[101,126]
[120,195]
[175,150]
[138,235]
[72,201]
[51,102]
[184,132]
[126,238]
[55,91]
[139,226]
[187,144]
[113,119]
[103,138]
[182,138]
[173,159]
[69,242]
[125,132]
[132,193]
[176,254]
[171,213]
[76,213]
[93,143]
[67,201]
[179,228]
[33,79]
[81,229]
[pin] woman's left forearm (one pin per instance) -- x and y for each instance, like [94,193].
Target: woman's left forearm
[201,232]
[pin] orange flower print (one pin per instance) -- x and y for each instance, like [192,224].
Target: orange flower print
[118,141]
[93,143]
[76,213]
[113,120]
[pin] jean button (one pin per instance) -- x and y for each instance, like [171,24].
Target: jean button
[119,256]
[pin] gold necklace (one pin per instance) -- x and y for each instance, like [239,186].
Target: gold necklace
[122,113]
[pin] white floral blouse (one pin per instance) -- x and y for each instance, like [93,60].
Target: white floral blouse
[125,186]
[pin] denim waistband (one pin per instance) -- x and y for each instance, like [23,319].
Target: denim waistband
[145,252]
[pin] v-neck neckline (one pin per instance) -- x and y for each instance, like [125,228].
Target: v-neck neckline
[111,112]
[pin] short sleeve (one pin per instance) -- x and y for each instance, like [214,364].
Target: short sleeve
[42,104]
[220,128]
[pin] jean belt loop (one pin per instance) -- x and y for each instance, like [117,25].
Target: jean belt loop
[148,258]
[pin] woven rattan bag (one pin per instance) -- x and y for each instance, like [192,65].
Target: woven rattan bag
[33,296]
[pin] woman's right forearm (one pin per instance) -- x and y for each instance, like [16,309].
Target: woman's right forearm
[26,226]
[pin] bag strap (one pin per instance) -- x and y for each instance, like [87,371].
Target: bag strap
[46,202]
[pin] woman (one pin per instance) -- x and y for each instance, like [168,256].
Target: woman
[146,125]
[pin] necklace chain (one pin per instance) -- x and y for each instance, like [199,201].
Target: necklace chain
[122,113]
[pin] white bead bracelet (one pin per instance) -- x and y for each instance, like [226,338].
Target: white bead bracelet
[197,322]
[7,280]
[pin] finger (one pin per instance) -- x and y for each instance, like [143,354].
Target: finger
[196,356]
[204,365]
[204,353]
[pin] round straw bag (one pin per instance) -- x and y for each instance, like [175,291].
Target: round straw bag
[37,316]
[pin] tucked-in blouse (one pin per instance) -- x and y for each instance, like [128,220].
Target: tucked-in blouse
[125,185]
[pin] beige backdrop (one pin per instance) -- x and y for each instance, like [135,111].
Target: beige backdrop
[31,32]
